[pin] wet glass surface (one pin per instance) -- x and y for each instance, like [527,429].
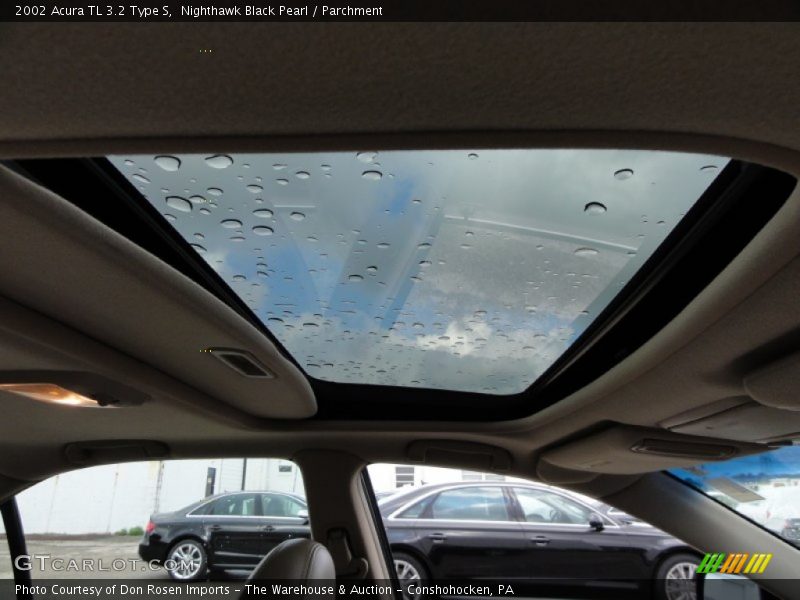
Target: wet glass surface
[458,270]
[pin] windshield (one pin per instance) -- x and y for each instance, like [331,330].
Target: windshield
[455,270]
[764,488]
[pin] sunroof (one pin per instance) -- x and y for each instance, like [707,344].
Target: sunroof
[455,270]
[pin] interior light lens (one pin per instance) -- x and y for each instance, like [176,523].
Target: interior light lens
[48,392]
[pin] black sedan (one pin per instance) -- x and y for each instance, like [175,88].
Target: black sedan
[791,530]
[230,531]
[529,532]
[445,532]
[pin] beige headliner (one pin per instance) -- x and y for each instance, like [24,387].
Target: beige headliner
[94,89]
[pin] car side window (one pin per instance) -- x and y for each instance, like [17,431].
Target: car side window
[415,510]
[542,506]
[236,505]
[480,503]
[278,505]
[203,509]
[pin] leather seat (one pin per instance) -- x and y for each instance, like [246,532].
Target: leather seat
[297,562]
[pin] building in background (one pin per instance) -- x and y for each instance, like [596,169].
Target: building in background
[110,498]
[387,477]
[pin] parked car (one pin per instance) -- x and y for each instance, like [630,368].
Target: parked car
[791,530]
[534,532]
[224,532]
[384,494]
[454,531]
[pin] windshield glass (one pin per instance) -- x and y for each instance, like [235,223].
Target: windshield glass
[764,488]
[459,270]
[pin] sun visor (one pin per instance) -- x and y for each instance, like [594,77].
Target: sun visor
[626,450]
[78,272]
[776,384]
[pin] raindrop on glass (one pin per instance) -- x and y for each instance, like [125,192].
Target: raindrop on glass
[219,161]
[282,181]
[355,278]
[472,156]
[140,178]
[594,208]
[709,168]
[263,213]
[214,191]
[623,174]
[231,223]
[262,230]
[178,203]
[198,247]
[254,189]
[302,175]
[586,252]
[372,175]
[367,157]
[297,216]
[168,163]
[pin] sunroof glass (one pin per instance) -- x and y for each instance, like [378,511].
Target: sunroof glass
[454,270]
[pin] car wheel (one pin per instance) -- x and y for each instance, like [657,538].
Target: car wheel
[186,561]
[409,572]
[675,578]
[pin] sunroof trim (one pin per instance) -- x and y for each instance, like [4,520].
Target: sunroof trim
[736,208]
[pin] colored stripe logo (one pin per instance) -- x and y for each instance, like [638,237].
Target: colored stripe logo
[738,562]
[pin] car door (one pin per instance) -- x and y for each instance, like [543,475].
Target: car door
[469,532]
[561,545]
[235,531]
[283,517]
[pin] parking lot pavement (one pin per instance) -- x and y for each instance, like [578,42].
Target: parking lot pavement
[101,557]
